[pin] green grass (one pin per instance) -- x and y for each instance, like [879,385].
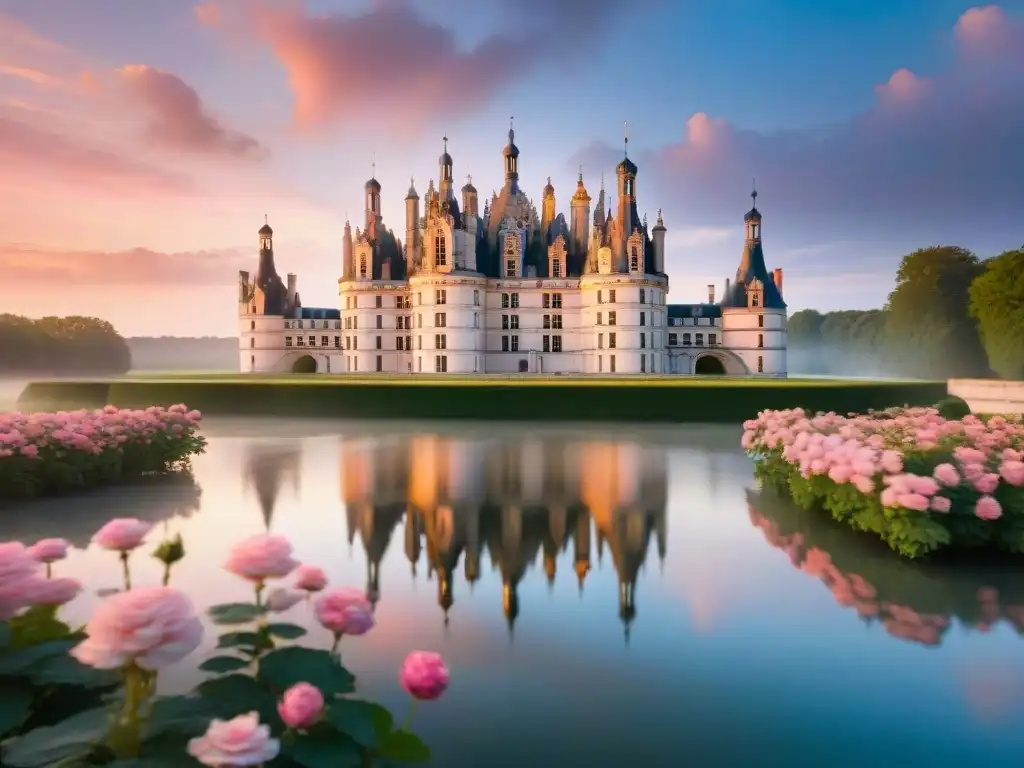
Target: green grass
[547,398]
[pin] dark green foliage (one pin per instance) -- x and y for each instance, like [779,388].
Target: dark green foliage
[61,345]
[722,401]
[953,408]
[997,303]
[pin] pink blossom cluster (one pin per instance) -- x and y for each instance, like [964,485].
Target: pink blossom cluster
[35,435]
[869,452]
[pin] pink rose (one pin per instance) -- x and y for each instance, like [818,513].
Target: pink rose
[940,504]
[152,626]
[301,706]
[345,612]
[424,675]
[53,591]
[988,508]
[241,741]
[310,578]
[261,557]
[987,483]
[281,599]
[49,550]
[947,475]
[122,534]
[914,501]
[1012,472]
[925,486]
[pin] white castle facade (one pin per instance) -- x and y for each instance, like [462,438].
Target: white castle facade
[508,290]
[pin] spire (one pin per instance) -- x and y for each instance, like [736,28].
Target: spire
[625,139]
[579,179]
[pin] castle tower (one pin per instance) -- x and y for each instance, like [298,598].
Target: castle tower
[270,295]
[511,155]
[547,208]
[412,227]
[658,238]
[445,165]
[627,218]
[579,224]
[373,219]
[348,270]
[470,205]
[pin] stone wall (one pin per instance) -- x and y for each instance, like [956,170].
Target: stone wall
[989,395]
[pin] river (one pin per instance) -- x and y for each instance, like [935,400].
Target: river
[604,596]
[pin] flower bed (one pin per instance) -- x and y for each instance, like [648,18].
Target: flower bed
[87,697]
[44,453]
[918,481]
[912,600]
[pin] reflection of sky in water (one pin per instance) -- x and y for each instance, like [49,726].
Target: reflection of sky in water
[735,657]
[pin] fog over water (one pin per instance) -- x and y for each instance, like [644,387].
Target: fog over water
[605,596]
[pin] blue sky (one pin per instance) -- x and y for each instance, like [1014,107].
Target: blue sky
[291,102]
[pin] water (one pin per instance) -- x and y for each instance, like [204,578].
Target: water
[722,654]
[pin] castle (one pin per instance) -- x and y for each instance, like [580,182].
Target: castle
[511,290]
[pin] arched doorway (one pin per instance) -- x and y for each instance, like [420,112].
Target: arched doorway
[305,364]
[709,365]
[524,366]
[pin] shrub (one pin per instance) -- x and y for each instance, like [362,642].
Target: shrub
[953,407]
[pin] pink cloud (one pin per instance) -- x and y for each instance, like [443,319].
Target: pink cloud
[989,30]
[903,87]
[178,118]
[209,14]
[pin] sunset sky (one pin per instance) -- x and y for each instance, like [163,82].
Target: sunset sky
[141,143]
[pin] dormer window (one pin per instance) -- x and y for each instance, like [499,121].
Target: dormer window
[754,300]
[556,267]
[441,249]
[634,260]
[362,267]
[265,243]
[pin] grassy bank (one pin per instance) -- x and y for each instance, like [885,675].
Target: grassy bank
[649,399]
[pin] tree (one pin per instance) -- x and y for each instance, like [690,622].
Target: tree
[997,302]
[804,327]
[929,331]
[61,345]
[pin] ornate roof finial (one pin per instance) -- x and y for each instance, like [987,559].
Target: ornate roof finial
[602,181]
[373,165]
[445,140]
[266,218]
[469,178]
[625,136]
[580,179]
[753,194]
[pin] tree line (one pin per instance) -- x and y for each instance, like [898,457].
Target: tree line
[55,345]
[950,315]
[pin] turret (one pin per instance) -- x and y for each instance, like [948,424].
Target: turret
[347,265]
[658,240]
[511,155]
[627,218]
[547,208]
[579,224]
[270,294]
[372,188]
[445,166]
[412,226]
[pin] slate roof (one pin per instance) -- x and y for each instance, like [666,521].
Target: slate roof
[681,311]
[752,266]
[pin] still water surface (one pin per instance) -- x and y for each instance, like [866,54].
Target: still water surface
[605,597]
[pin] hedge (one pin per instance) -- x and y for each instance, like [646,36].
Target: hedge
[626,400]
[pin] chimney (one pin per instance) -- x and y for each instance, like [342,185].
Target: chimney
[292,284]
[777,279]
[711,293]
[726,296]
[243,285]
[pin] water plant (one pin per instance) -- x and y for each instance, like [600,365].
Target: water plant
[88,696]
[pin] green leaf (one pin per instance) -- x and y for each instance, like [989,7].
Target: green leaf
[283,668]
[39,624]
[366,723]
[286,631]
[189,715]
[67,670]
[323,748]
[235,613]
[18,662]
[69,738]
[16,698]
[5,635]
[245,640]
[232,695]
[404,747]
[221,664]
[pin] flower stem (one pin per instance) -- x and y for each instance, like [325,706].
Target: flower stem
[127,572]
[167,574]
[49,570]
[408,717]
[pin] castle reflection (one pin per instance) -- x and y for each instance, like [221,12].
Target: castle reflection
[520,501]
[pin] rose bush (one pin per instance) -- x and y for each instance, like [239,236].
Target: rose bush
[82,697]
[918,481]
[43,453]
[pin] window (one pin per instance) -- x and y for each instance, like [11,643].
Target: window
[643,340]
[686,339]
[515,300]
[556,301]
[476,319]
[287,341]
[504,301]
[441,296]
[379,301]
[380,320]
[515,343]
[673,339]
[380,340]
[408,346]
[760,340]
[556,322]
[362,266]
[419,320]
[400,322]
[252,323]
[599,299]
[510,322]
[643,296]
[441,363]
[440,319]
[611,363]
[556,267]
[700,339]
[611,318]
[545,302]
[547,321]
[398,344]
[355,323]
[252,342]
[504,343]
[600,341]
[760,364]
[440,341]
[299,341]
[712,339]
[312,341]
[556,343]
[441,249]
[599,318]
[611,295]
[419,342]
[760,321]
[600,363]
[753,300]
[355,363]
[419,298]
[643,318]
[252,362]
[510,257]
[634,260]
[611,341]
[546,344]
[355,342]
[348,303]
[643,363]
[476,298]
[419,365]
[380,361]
[324,341]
